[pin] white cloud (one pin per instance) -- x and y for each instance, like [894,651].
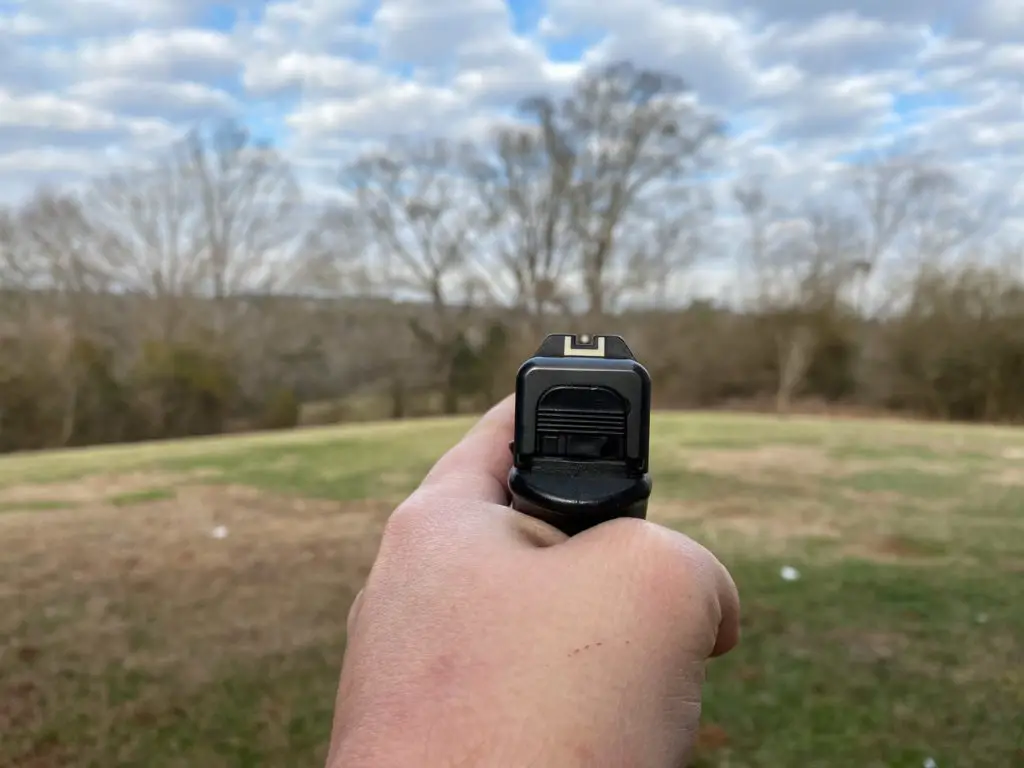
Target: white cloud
[306,25]
[400,106]
[804,82]
[316,73]
[20,24]
[172,54]
[985,19]
[839,108]
[97,16]
[134,97]
[838,42]
[716,53]
[49,112]
[430,33]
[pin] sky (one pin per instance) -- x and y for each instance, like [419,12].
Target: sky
[803,84]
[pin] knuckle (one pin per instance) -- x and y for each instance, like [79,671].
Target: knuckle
[669,559]
[406,522]
[421,524]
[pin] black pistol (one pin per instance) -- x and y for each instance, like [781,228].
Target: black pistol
[582,433]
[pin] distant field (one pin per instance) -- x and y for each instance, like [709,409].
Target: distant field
[184,604]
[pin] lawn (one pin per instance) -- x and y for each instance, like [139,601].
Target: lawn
[183,604]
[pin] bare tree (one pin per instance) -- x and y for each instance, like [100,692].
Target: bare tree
[772,261]
[149,224]
[250,204]
[835,244]
[27,260]
[420,203]
[14,272]
[758,213]
[612,167]
[215,217]
[529,195]
[337,256]
[888,192]
[63,244]
[661,245]
[911,208]
[352,328]
[803,262]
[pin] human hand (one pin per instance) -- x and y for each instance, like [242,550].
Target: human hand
[484,637]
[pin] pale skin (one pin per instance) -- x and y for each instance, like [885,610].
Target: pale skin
[486,638]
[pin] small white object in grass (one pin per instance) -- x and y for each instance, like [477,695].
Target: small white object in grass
[789,573]
[981,618]
[930,763]
[220,532]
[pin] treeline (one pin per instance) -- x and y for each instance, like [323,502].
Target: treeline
[207,292]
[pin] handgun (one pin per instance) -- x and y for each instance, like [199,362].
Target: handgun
[582,433]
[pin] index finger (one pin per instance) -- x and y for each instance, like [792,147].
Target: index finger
[477,467]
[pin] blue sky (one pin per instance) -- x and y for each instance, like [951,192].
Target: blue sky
[804,84]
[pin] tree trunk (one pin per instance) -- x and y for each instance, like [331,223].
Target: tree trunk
[67,429]
[794,360]
[450,405]
[398,399]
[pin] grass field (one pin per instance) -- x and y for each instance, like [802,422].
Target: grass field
[184,604]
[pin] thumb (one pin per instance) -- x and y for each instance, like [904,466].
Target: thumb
[678,577]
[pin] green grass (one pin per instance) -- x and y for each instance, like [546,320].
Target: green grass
[910,482]
[132,637]
[132,498]
[34,505]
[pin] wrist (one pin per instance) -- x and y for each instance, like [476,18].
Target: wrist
[444,746]
[442,739]
[484,721]
[434,736]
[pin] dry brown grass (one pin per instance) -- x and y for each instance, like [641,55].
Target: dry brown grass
[792,463]
[162,556]
[765,460]
[151,591]
[744,524]
[94,489]
[1008,476]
